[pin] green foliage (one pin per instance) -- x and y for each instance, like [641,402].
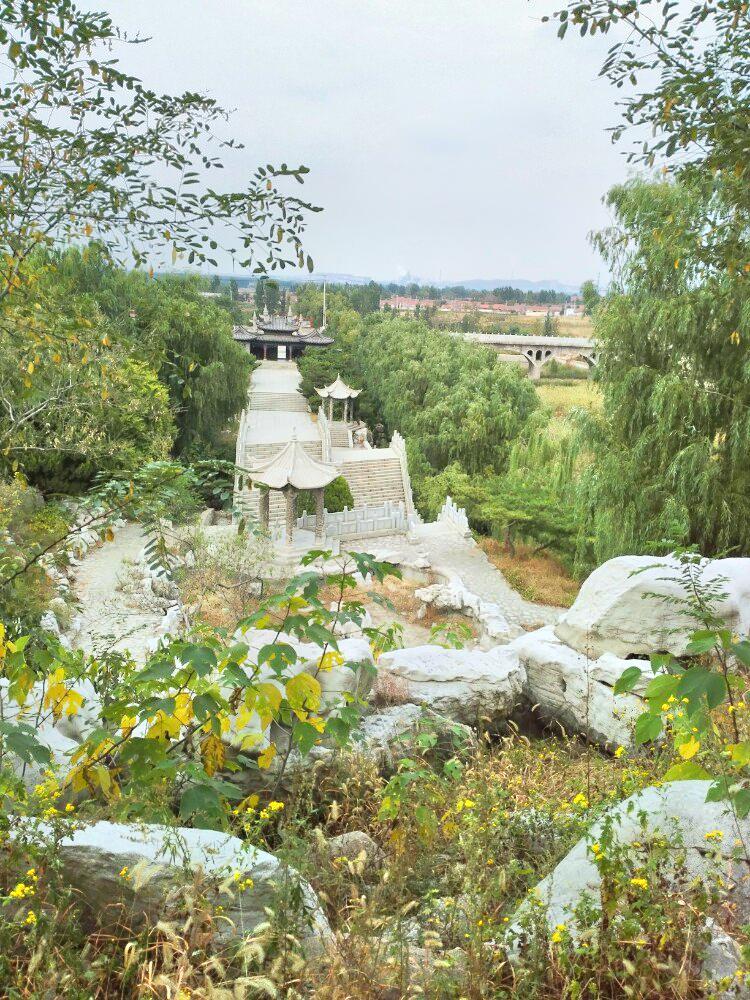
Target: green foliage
[591,297]
[459,403]
[671,447]
[336,496]
[681,71]
[164,722]
[699,702]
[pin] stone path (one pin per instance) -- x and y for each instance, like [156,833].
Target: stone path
[109,618]
[448,551]
[267,426]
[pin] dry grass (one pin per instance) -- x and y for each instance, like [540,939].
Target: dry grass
[402,607]
[561,399]
[538,576]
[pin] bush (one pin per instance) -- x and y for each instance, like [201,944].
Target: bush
[336,496]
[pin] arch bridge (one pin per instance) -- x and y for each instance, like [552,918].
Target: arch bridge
[537,351]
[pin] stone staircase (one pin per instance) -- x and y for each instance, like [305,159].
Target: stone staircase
[374,479]
[339,434]
[289,401]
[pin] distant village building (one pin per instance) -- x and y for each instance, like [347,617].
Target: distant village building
[280,338]
[404,304]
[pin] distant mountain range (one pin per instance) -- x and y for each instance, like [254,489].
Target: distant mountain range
[475,284]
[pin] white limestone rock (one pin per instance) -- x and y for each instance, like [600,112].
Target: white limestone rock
[567,687]
[159,857]
[463,684]
[677,810]
[355,845]
[616,612]
[386,735]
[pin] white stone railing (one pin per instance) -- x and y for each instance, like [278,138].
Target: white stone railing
[399,446]
[451,514]
[325,433]
[370,519]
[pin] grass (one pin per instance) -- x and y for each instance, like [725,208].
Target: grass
[538,577]
[567,326]
[561,398]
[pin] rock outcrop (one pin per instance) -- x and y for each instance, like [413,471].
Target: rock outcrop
[641,605]
[130,872]
[677,810]
[568,687]
[462,684]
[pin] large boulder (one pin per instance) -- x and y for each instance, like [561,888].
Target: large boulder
[465,685]
[676,810]
[641,604]
[568,687]
[127,871]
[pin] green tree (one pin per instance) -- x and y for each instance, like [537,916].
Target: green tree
[591,297]
[671,447]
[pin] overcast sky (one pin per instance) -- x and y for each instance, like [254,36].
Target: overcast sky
[445,139]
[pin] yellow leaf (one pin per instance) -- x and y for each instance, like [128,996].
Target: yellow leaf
[303,693]
[213,753]
[689,749]
[265,757]
[330,660]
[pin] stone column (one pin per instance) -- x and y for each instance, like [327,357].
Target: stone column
[346,411]
[330,409]
[291,512]
[319,515]
[265,508]
[265,352]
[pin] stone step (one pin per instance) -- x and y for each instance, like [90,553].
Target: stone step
[372,481]
[290,401]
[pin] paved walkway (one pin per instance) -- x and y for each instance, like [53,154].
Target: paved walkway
[448,551]
[110,618]
[272,426]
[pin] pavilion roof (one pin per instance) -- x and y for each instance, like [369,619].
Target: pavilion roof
[293,466]
[338,390]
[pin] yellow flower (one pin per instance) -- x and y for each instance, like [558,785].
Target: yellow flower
[30,918]
[596,849]
[125,873]
[581,800]
[275,806]
[619,751]
[556,937]
[714,835]
[21,890]
[640,883]
[69,808]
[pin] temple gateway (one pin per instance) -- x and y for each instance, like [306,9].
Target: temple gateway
[279,338]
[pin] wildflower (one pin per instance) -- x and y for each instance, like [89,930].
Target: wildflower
[581,800]
[556,937]
[69,808]
[619,752]
[125,873]
[50,813]
[640,883]
[596,849]
[714,835]
[30,918]
[21,891]
[275,806]
[31,873]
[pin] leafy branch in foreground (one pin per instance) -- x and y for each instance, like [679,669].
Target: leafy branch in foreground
[199,710]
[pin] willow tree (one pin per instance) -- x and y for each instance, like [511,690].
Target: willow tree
[671,451]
